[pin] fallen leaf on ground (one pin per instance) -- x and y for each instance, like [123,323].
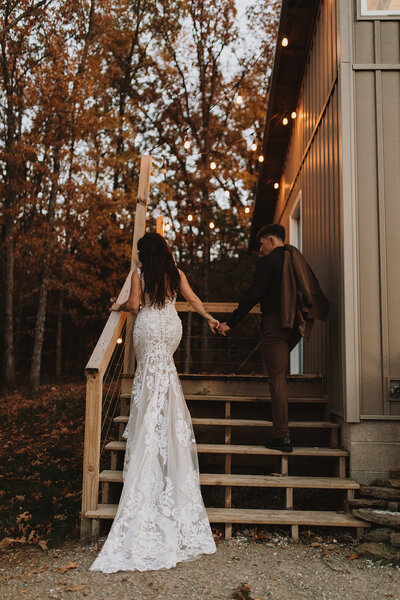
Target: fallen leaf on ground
[43,544]
[34,571]
[5,543]
[276,474]
[353,556]
[75,588]
[315,544]
[72,565]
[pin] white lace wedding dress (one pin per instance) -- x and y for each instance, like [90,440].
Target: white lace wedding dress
[161,519]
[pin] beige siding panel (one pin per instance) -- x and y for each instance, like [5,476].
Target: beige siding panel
[371,391]
[390,42]
[391,136]
[364,42]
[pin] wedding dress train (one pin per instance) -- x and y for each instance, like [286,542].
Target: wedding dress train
[161,519]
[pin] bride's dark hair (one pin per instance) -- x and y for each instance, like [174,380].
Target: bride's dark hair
[160,273]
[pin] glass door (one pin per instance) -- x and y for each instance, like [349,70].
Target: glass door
[296,355]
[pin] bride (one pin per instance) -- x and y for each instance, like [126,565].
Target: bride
[161,519]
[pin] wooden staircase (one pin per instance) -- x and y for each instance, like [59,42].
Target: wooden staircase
[231,417]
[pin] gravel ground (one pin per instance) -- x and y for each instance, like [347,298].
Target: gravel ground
[277,569]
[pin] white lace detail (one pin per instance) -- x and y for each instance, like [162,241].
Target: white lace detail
[161,519]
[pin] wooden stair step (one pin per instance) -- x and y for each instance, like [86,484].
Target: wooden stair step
[251,423]
[242,449]
[270,481]
[262,423]
[254,399]
[258,516]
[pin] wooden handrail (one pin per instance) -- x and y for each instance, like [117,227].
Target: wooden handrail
[95,369]
[112,330]
[215,307]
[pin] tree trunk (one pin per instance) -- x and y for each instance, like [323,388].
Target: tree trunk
[9,366]
[12,172]
[59,336]
[34,377]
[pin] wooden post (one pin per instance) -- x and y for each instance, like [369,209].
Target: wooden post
[141,206]
[160,225]
[91,456]
[138,232]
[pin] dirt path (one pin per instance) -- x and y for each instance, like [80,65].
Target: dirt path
[276,570]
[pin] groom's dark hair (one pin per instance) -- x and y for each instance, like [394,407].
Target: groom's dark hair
[274,229]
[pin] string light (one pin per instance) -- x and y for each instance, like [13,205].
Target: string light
[190,217]
[276,185]
[239,99]
[261,158]
[211,224]
[167,226]
[294,114]
[254,147]
[213,165]
[187,145]
[285,121]
[119,341]
[227,193]
[285,42]
[247,210]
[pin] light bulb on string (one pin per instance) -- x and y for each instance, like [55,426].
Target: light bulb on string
[211,224]
[261,158]
[239,99]
[294,114]
[247,210]
[276,185]
[213,165]
[285,42]
[187,144]
[167,227]
[190,217]
[285,121]
[254,147]
[227,193]
[119,341]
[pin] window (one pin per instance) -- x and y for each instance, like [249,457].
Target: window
[380,8]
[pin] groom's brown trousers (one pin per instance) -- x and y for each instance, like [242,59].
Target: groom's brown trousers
[275,345]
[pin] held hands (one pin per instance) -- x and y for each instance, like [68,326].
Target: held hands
[215,325]
[223,328]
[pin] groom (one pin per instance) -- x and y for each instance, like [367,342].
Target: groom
[290,299]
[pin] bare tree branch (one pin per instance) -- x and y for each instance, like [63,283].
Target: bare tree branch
[27,13]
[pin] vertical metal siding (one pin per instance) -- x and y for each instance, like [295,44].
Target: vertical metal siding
[377,101]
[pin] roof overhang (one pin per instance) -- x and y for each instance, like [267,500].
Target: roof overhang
[297,24]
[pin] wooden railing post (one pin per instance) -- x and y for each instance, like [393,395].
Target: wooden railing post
[139,230]
[91,456]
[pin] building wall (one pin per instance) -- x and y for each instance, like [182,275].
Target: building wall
[371,76]
[312,170]
[376,67]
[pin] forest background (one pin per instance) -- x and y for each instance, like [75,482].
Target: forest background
[86,87]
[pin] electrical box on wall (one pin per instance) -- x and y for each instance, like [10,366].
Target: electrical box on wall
[394,390]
